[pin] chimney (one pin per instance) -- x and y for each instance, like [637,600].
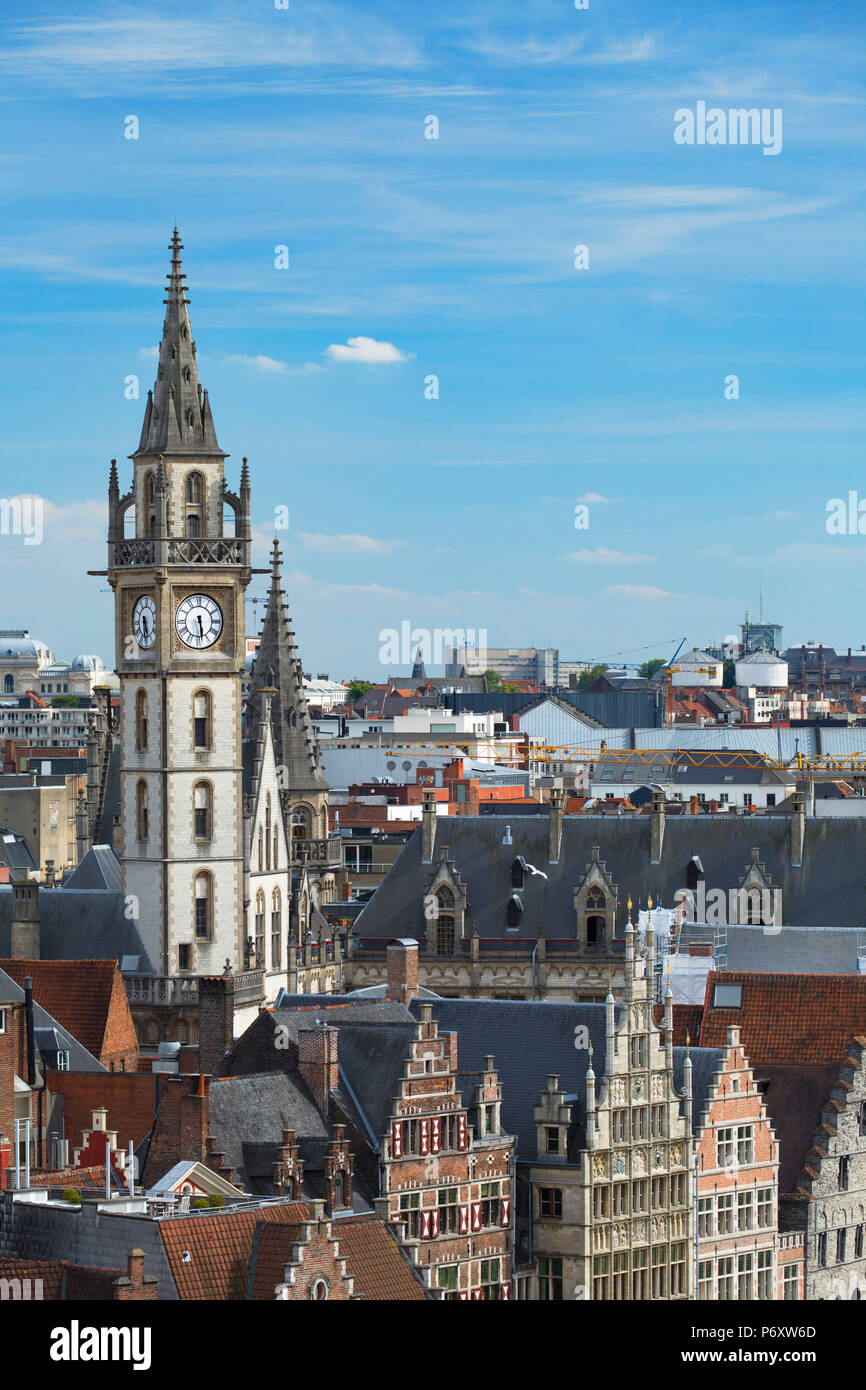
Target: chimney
[318,1062]
[24,935]
[50,873]
[657,827]
[428,825]
[554,826]
[216,1021]
[402,970]
[798,826]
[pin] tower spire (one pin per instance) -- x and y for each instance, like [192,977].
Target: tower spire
[277,665]
[177,417]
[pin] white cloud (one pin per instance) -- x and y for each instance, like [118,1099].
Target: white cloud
[597,499]
[601,556]
[151,353]
[271,366]
[367,350]
[635,591]
[351,544]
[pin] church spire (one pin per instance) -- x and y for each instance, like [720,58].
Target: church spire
[177,417]
[277,665]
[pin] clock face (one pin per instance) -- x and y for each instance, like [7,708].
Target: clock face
[198,621]
[144,621]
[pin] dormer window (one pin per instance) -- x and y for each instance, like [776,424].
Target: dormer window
[595,917]
[694,873]
[551,1139]
[518,874]
[513,913]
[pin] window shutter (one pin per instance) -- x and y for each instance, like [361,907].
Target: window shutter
[464,1221]
[462,1132]
[425,1136]
[425,1224]
[476,1295]
[463,1297]
[505,1211]
[436,1134]
[505,1293]
[397,1139]
[476,1216]
[434,1223]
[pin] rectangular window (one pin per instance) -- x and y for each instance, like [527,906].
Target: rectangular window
[638,1274]
[678,1269]
[765,1206]
[659,1272]
[659,1194]
[491,1290]
[551,1139]
[843,1173]
[659,1116]
[841,1240]
[2,1020]
[601,1203]
[449,1213]
[276,941]
[639,1122]
[705,1280]
[765,1274]
[620,1199]
[446,1279]
[550,1202]
[550,1280]
[725,1214]
[858,1242]
[744,1276]
[491,1207]
[601,1277]
[201,917]
[63,1061]
[184,957]
[724,1148]
[725,1278]
[745,1210]
[791,1283]
[678,1189]
[619,1289]
[638,1052]
[620,1126]
[745,1144]
[639,1195]
[822,1248]
[409,1213]
[705,1216]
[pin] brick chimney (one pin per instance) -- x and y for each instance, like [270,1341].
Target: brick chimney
[135,1286]
[657,827]
[318,1059]
[554,826]
[24,934]
[428,825]
[216,1021]
[402,970]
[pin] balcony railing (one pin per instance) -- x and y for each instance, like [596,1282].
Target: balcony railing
[328,851]
[170,991]
[181,551]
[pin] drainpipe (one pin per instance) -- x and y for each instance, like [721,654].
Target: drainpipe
[534,949]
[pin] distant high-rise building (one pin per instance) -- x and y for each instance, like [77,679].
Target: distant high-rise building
[540,664]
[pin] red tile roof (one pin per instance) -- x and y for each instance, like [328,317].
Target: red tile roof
[82,1179]
[788,1020]
[375,1261]
[219,1245]
[83,996]
[83,1282]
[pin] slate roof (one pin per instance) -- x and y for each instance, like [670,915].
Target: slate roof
[827,888]
[79,924]
[248,1115]
[15,851]
[220,1244]
[795,1097]
[99,869]
[76,992]
[706,1061]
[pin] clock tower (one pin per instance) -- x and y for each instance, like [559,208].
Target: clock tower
[179,563]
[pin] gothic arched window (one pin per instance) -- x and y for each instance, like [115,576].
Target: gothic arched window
[445,932]
[203,888]
[148,490]
[194,488]
[141,720]
[201,719]
[276,930]
[141,812]
[275,845]
[300,823]
[203,810]
[595,919]
[261,853]
[260,929]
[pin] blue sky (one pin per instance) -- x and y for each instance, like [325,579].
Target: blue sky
[305,127]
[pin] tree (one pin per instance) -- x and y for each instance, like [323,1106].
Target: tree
[66,701]
[492,680]
[587,677]
[509,688]
[358,688]
[728,676]
[649,668]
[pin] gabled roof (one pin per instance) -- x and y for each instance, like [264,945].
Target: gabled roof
[99,869]
[86,996]
[219,1245]
[374,1260]
[248,1115]
[79,1057]
[788,1020]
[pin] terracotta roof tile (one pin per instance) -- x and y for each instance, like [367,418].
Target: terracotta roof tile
[219,1245]
[84,1179]
[82,995]
[374,1259]
[83,1282]
[788,1019]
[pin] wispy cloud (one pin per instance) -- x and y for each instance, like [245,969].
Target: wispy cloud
[351,544]
[271,366]
[366,350]
[602,556]
[640,591]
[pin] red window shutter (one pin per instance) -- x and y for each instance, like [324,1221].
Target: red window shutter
[505,1206]
[476,1295]
[476,1216]
[436,1135]
[464,1221]
[462,1132]
[434,1223]
[425,1224]
[505,1293]
[425,1136]
[463,1297]
[397,1139]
